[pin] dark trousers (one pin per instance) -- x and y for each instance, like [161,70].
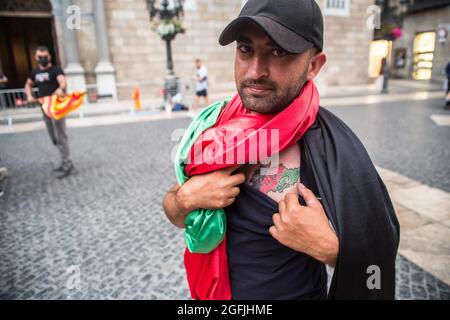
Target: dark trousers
[57,133]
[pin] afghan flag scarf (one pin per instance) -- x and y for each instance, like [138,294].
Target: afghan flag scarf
[223,135]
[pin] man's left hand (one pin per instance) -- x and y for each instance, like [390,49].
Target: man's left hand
[305,228]
[60,93]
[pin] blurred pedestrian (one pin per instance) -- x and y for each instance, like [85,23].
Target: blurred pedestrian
[3,82]
[384,76]
[50,80]
[3,175]
[201,87]
[447,72]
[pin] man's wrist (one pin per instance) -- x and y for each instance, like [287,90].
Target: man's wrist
[183,202]
[324,251]
[329,251]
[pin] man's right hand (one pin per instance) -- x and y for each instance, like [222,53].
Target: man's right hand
[31,99]
[213,190]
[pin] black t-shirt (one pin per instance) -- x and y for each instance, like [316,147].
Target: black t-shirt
[45,80]
[261,267]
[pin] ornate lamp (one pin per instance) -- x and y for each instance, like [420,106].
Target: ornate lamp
[166,16]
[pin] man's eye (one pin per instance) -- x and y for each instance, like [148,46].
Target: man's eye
[279,52]
[245,49]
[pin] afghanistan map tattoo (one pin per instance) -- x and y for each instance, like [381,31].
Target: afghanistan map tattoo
[283,179]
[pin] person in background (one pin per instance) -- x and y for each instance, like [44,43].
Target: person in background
[3,171]
[3,175]
[201,87]
[50,80]
[447,72]
[3,82]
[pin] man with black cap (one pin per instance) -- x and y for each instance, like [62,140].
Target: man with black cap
[322,203]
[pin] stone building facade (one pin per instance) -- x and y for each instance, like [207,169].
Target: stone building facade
[431,19]
[115,45]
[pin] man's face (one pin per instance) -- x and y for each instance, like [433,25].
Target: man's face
[43,57]
[267,78]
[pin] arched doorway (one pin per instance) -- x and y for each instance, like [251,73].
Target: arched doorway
[25,25]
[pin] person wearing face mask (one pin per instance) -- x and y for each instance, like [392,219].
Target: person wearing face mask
[50,80]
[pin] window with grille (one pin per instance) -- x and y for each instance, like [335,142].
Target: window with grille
[339,8]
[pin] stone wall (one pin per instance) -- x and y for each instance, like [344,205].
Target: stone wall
[85,36]
[139,56]
[86,39]
[346,43]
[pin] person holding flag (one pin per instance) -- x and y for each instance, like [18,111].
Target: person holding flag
[271,186]
[50,81]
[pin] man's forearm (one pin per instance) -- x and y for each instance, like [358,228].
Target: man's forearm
[175,208]
[62,83]
[210,191]
[328,251]
[28,90]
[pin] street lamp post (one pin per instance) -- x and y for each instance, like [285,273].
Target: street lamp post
[165,16]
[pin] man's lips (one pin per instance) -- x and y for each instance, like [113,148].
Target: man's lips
[258,89]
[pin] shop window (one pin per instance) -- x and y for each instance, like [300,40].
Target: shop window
[379,50]
[423,55]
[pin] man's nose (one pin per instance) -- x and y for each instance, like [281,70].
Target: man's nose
[258,68]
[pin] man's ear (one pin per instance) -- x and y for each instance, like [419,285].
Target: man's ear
[316,64]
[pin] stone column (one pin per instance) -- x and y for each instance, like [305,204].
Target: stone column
[106,80]
[73,70]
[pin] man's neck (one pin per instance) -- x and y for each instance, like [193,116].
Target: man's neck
[45,68]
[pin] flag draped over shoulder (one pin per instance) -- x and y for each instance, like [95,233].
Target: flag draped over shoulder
[226,135]
[335,166]
[57,108]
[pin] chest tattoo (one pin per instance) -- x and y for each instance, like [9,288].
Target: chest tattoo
[284,178]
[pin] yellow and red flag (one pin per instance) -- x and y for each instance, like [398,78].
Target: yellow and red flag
[137,98]
[57,108]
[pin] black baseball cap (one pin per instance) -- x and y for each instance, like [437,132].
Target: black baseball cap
[295,25]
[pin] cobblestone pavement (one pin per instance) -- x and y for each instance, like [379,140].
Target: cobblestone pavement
[401,137]
[106,221]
